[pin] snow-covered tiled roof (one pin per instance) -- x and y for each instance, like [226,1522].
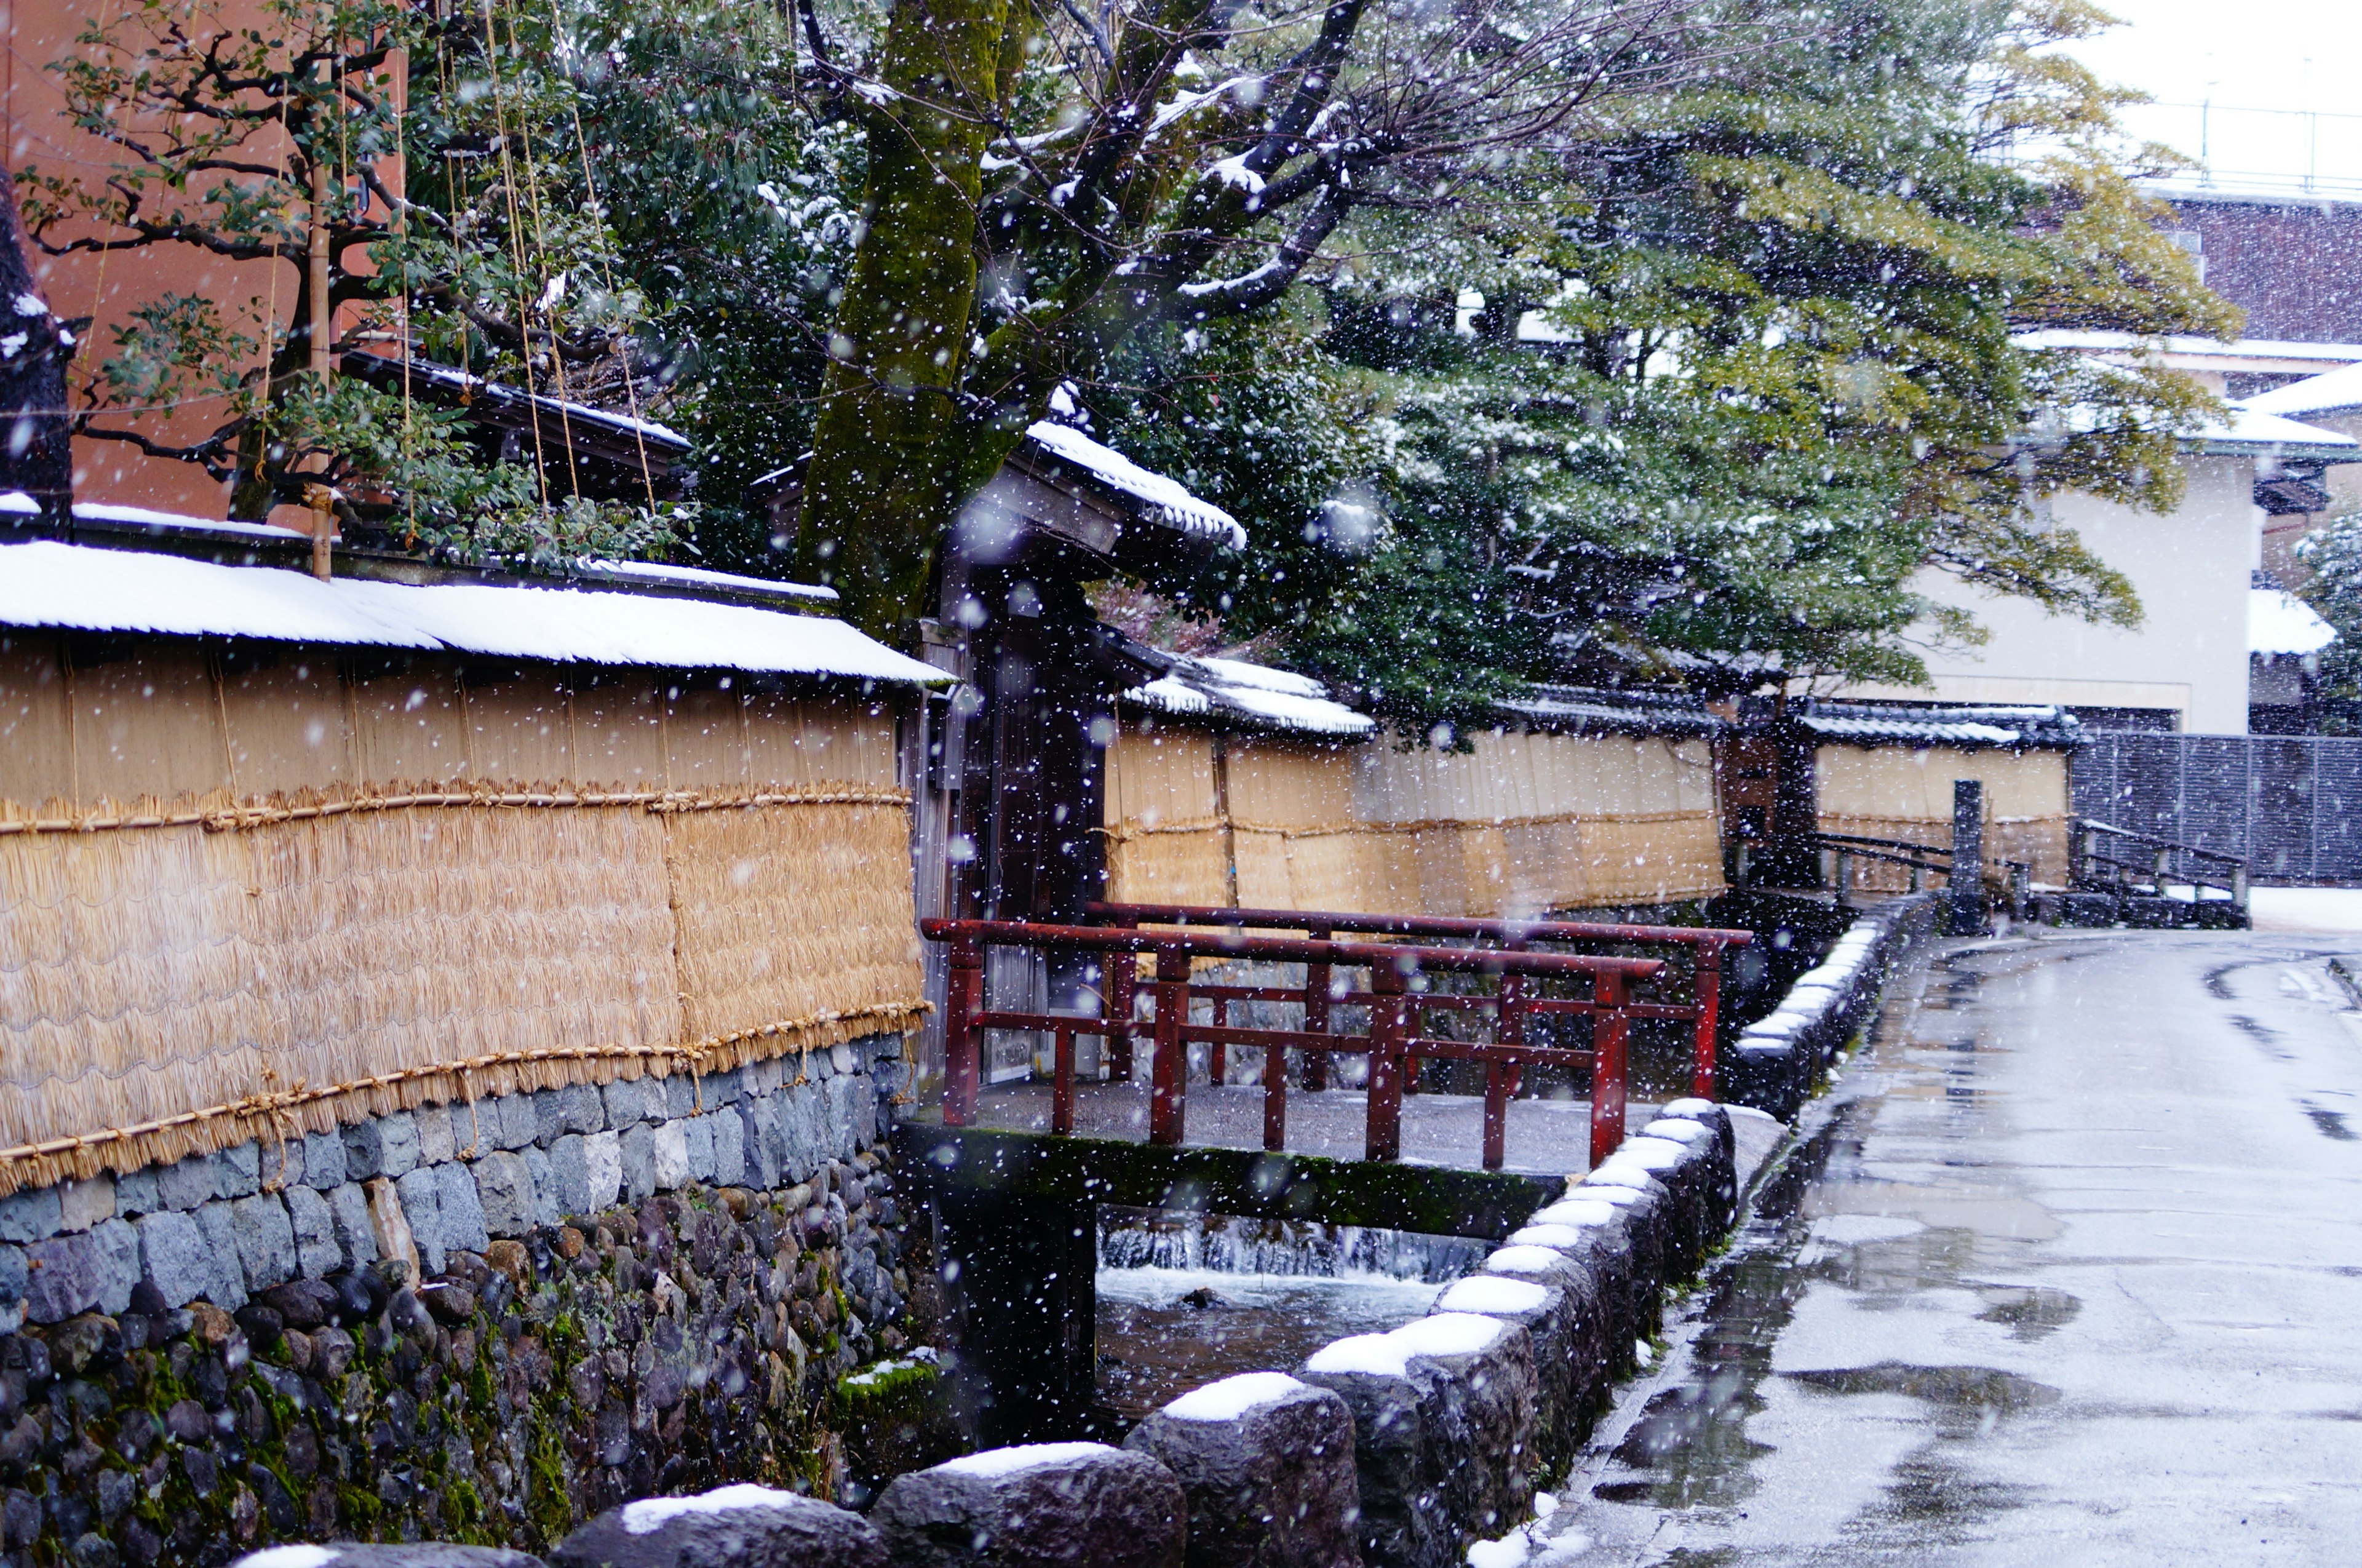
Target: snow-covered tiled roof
[1165,501]
[2338,392]
[1252,696]
[1876,723]
[1584,708]
[80,587]
[2279,622]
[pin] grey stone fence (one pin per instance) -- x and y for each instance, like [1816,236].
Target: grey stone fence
[1776,1060]
[422,1184]
[473,1325]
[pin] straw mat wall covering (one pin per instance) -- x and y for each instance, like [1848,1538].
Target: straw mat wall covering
[237,971]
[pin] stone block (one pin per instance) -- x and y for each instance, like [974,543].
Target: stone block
[681,1098]
[1443,1418]
[283,1162]
[548,1117]
[187,1183]
[816,1066]
[760,1116]
[797,1129]
[317,1251]
[356,1236]
[579,1108]
[137,1193]
[174,1258]
[546,1208]
[723,1089]
[1064,1504]
[439,1136]
[603,1163]
[417,1554]
[505,1190]
[389,1227]
[422,1206]
[668,1151]
[569,1170]
[382,1146]
[228,1289]
[461,1210]
[323,1160]
[93,1270]
[81,1204]
[729,1147]
[627,1103]
[733,1526]
[635,1146]
[843,1057]
[266,1240]
[31,1214]
[16,1278]
[237,1170]
[1569,1335]
[1266,1463]
[519,1125]
[697,1147]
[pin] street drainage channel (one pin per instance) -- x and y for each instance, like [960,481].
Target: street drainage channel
[1185,1299]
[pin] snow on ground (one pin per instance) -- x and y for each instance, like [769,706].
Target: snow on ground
[2306,909]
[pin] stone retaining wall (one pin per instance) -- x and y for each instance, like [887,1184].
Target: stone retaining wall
[484,1324]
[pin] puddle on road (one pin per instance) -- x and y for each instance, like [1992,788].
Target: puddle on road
[1818,1224]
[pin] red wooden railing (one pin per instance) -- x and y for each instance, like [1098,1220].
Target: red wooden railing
[1393,1044]
[1707,945]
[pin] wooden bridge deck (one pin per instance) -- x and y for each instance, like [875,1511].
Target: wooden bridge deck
[1545,1137]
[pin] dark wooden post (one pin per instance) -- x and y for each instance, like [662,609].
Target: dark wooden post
[1274,1097]
[1709,1006]
[1315,1016]
[1120,987]
[1168,1090]
[1968,889]
[1061,1080]
[963,1050]
[1611,1039]
[1389,1030]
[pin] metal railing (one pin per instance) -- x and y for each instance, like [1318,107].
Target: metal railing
[1393,1044]
[2104,858]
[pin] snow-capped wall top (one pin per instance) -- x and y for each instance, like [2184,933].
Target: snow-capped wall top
[1167,501]
[79,587]
[2279,623]
[1250,696]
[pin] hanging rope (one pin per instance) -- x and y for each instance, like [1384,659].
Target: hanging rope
[516,245]
[607,271]
[541,250]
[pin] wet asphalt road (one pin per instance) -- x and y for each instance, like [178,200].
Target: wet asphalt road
[2067,1270]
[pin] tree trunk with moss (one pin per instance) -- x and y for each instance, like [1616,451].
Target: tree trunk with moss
[894,450]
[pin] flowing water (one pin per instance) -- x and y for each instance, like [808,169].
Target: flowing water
[1185,1301]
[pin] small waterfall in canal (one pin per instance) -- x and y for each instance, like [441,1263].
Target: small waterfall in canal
[1183,1299]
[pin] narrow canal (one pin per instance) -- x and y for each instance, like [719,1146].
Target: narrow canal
[2065,1268]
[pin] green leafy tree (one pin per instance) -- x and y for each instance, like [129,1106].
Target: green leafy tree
[1786,371]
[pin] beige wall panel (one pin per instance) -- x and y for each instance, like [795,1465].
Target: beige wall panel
[149,725]
[1651,861]
[521,732]
[1546,868]
[619,734]
[1264,860]
[1276,784]
[705,740]
[36,763]
[290,727]
[1903,781]
[785,741]
[1164,777]
[410,727]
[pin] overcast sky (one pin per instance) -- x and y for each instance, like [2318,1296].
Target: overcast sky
[2246,56]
